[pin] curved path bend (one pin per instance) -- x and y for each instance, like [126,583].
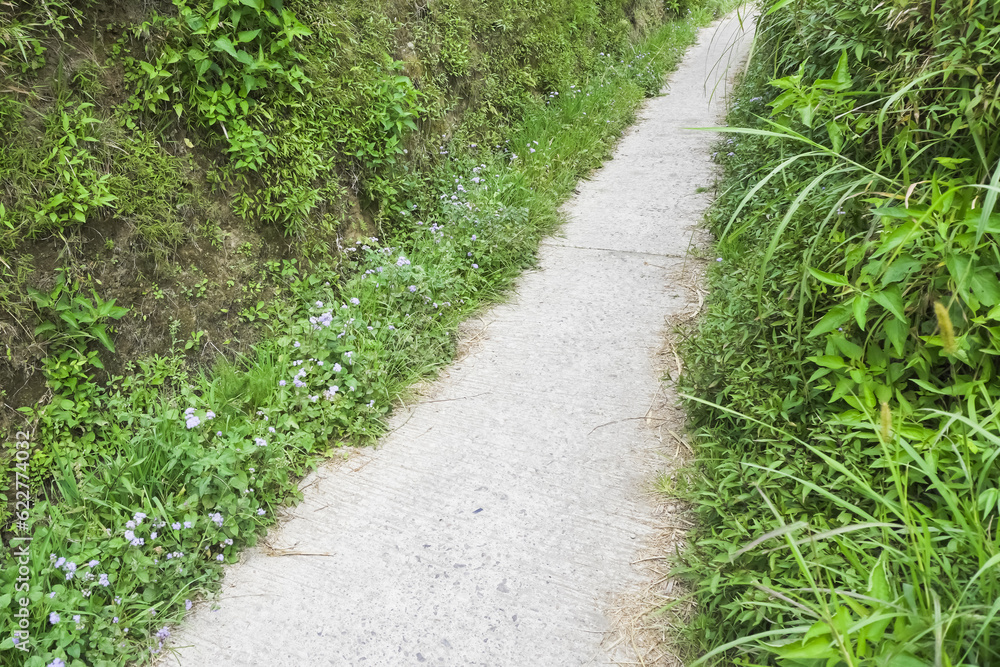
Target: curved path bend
[495,523]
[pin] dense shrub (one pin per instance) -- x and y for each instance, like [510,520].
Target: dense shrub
[849,424]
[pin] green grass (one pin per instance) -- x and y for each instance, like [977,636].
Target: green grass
[842,383]
[214,453]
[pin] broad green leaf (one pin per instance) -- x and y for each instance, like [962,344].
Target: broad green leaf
[891,299]
[819,648]
[836,317]
[986,286]
[900,268]
[896,331]
[860,303]
[848,348]
[905,660]
[900,212]
[829,361]
[842,75]
[959,266]
[974,218]
[836,135]
[950,162]
[878,584]
[778,5]
[988,501]
[39,298]
[829,278]
[70,319]
[223,44]
[102,335]
[246,58]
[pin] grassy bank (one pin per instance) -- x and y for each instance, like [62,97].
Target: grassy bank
[170,155]
[160,476]
[842,382]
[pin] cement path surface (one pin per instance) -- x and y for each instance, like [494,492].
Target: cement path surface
[495,523]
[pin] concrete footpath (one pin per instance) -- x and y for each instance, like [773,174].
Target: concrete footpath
[496,522]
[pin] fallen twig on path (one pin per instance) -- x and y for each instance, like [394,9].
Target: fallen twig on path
[617,421]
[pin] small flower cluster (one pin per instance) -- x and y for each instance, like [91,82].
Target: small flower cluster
[297,379]
[61,563]
[324,320]
[161,636]
[191,420]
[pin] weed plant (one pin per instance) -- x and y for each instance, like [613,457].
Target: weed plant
[843,381]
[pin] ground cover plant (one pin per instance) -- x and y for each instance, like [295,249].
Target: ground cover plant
[147,481]
[842,383]
[170,152]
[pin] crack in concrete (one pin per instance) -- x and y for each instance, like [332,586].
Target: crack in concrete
[617,250]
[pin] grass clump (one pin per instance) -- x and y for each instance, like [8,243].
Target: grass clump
[147,484]
[843,382]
